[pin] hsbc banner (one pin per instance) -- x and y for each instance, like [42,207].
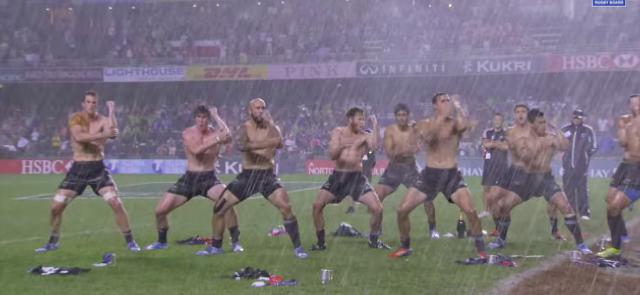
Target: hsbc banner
[145,74]
[325,167]
[312,71]
[407,68]
[34,166]
[605,61]
[511,65]
[11,75]
[64,75]
[116,166]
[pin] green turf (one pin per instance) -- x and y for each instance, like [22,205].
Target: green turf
[89,230]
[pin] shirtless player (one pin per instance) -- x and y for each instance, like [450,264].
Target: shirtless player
[202,145]
[89,133]
[625,186]
[441,136]
[347,147]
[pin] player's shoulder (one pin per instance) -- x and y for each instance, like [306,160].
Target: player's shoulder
[338,129]
[188,131]
[78,118]
[424,122]
[391,128]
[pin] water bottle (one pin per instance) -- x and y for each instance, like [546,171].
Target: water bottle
[461,227]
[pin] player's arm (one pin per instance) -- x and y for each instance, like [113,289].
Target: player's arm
[225,133]
[622,129]
[461,118]
[112,123]
[245,143]
[197,148]
[335,144]
[387,143]
[78,126]
[372,139]
[424,131]
[558,140]
[561,142]
[501,145]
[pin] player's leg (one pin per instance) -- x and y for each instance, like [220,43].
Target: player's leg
[372,201]
[324,197]
[230,218]
[617,227]
[430,210]
[168,203]
[559,199]
[552,212]
[111,195]
[503,213]
[280,199]
[462,198]
[220,209]
[58,204]
[383,191]
[411,200]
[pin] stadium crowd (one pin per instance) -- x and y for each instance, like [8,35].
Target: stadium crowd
[98,33]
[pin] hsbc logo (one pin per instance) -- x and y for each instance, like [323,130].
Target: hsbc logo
[602,61]
[626,61]
[45,166]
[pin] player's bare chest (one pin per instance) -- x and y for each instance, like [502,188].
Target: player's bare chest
[257,134]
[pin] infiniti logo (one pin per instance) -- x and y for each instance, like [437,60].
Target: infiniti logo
[368,69]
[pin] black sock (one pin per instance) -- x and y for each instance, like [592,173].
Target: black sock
[216,243]
[495,221]
[616,226]
[574,228]
[162,235]
[128,236]
[53,238]
[503,227]
[291,225]
[320,236]
[432,226]
[373,237]
[479,241]
[234,232]
[405,243]
[554,225]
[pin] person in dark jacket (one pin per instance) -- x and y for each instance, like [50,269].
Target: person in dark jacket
[575,162]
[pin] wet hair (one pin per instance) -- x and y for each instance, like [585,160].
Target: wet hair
[90,93]
[634,95]
[434,99]
[498,114]
[521,105]
[354,111]
[401,107]
[533,114]
[202,109]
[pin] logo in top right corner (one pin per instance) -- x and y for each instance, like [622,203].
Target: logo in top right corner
[609,3]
